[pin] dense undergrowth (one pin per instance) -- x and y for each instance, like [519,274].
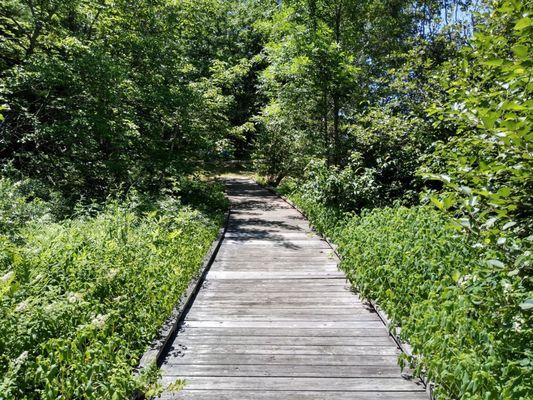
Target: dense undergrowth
[463,311]
[81,297]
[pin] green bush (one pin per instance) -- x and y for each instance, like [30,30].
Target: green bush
[485,166]
[81,299]
[18,206]
[465,314]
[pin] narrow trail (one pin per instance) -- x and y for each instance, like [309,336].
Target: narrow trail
[276,319]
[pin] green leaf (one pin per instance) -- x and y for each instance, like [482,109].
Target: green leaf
[496,263]
[456,275]
[437,203]
[495,62]
[448,202]
[527,305]
[520,50]
[508,225]
[522,23]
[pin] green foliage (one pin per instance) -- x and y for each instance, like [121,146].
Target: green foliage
[106,95]
[349,83]
[208,197]
[18,206]
[80,299]
[467,321]
[486,166]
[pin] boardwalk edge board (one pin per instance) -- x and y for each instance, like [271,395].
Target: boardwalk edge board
[158,347]
[394,332]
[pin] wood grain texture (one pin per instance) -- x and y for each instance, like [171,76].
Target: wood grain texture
[276,319]
[293,395]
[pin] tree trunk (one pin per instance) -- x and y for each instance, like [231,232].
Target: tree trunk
[336,136]
[326,128]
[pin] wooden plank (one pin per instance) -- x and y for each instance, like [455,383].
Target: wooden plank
[244,312]
[273,274]
[265,234]
[271,242]
[288,303]
[279,269]
[187,339]
[281,251]
[292,304]
[279,359]
[284,324]
[278,258]
[277,285]
[303,290]
[294,263]
[288,282]
[266,289]
[274,318]
[289,267]
[277,296]
[281,311]
[197,349]
[295,383]
[309,371]
[332,333]
[310,301]
[291,395]
[326,285]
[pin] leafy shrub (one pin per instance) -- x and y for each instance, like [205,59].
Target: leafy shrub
[465,313]
[80,299]
[207,197]
[348,188]
[324,219]
[18,206]
[486,165]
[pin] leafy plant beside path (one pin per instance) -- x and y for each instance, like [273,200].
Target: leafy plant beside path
[81,298]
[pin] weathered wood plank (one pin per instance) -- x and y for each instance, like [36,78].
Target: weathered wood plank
[276,296]
[266,289]
[241,252]
[271,242]
[296,285]
[284,324]
[308,371]
[294,383]
[188,339]
[273,318]
[278,269]
[175,360]
[332,333]
[290,303]
[288,282]
[196,349]
[273,274]
[244,312]
[265,234]
[291,395]
[259,264]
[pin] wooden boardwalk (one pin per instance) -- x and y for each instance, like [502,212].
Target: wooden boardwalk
[276,319]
